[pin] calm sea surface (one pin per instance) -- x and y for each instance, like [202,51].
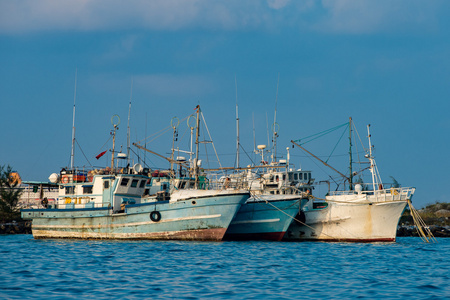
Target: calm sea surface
[61,269]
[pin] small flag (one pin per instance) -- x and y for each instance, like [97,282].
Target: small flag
[100,155]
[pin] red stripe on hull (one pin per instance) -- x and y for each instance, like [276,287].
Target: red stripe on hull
[269,236]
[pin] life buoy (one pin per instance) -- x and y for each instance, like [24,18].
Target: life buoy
[65,179]
[155,216]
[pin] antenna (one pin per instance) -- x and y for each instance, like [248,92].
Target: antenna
[196,171]
[254,133]
[274,133]
[237,125]
[267,124]
[350,177]
[145,144]
[72,155]
[128,129]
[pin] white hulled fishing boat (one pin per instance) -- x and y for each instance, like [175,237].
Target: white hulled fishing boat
[364,213]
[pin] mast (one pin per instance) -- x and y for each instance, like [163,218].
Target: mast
[254,133]
[174,123]
[237,126]
[274,133]
[350,177]
[128,128]
[72,155]
[116,127]
[145,145]
[267,125]
[372,162]
[196,147]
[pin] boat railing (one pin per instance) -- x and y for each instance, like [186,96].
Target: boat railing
[382,195]
[227,182]
[81,205]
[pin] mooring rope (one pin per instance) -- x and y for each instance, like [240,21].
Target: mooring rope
[295,219]
[422,229]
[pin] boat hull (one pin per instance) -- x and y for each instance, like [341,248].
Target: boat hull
[261,220]
[350,222]
[204,219]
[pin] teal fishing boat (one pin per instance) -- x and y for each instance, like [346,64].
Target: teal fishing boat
[116,203]
[275,203]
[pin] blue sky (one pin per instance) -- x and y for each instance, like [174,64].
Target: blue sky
[382,62]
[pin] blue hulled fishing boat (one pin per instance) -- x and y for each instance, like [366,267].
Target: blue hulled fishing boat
[115,203]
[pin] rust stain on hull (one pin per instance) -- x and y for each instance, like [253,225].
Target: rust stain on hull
[212,234]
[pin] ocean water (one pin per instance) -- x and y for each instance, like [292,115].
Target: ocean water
[75,269]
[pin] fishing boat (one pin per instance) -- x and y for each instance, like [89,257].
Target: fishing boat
[276,199]
[275,202]
[116,203]
[277,196]
[364,213]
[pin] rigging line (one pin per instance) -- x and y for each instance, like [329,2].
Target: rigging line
[209,134]
[321,156]
[165,131]
[356,134]
[336,144]
[320,167]
[357,152]
[321,133]
[354,129]
[293,218]
[162,130]
[247,154]
[104,144]
[139,157]
[76,141]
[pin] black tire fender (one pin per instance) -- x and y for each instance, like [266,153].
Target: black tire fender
[155,216]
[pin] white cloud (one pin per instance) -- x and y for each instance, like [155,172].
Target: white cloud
[336,16]
[81,15]
[277,4]
[368,16]
[123,48]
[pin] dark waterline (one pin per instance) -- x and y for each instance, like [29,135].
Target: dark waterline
[61,269]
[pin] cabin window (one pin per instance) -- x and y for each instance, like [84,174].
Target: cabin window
[164,186]
[106,184]
[295,176]
[70,190]
[87,189]
[284,177]
[142,184]
[183,184]
[134,183]
[146,192]
[124,182]
[290,176]
[306,176]
[300,176]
